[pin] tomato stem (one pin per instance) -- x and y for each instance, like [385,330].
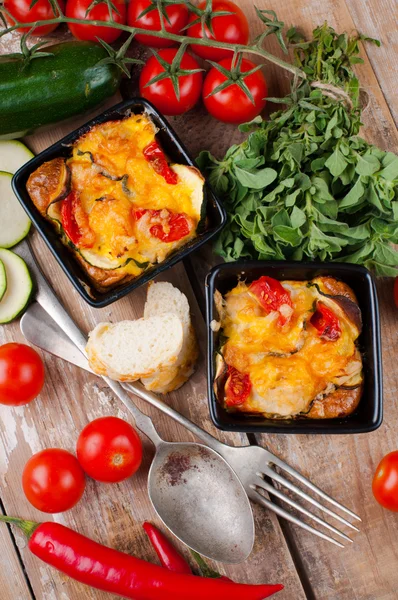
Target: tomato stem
[28,527]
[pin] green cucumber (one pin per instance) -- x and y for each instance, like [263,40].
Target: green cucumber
[14,222]
[19,286]
[3,279]
[52,88]
[13,154]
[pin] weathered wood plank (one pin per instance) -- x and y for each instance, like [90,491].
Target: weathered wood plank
[69,400]
[379,18]
[13,582]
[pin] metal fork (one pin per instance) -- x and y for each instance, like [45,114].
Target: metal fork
[254,465]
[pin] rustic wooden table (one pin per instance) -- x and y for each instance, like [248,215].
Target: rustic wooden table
[342,466]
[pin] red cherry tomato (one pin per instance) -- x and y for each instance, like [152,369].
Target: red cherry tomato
[326,323]
[162,93]
[68,218]
[177,19]
[169,228]
[41,11]
[21,374]
[237,387]
[76,9]
[233,29]
[232,105]
[385,482]
[396,292]
[53,480]
[272,296]
[109,450]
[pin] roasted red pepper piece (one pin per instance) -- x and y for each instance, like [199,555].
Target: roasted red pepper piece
[69,223]
[237,387]
[170,229]
[155,155]
[168,555]
[272,296]
[75,222]
[111,571]
[326,323]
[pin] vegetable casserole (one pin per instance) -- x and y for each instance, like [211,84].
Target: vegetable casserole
[117,202]
[288,349]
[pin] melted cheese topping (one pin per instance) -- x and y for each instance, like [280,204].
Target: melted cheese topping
[289,365]
[114,179]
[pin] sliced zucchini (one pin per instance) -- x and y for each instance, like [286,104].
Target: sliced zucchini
[14,222]
[102,262]
[19,286]
[3,279]
[54,212]
[13,154]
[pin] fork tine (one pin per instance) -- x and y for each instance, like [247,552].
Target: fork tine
[282,465]
[271,490]
[285,482]
[260,499]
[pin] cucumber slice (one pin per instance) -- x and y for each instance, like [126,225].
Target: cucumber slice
[14,222]
[3,279]
[13,154]
[19,286]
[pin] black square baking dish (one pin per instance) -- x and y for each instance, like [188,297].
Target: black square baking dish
[368,415]
[174,148]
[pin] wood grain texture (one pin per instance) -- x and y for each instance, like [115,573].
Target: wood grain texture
[343,466]
[70,399]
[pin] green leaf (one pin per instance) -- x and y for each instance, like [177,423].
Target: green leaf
[288,234]
[354,196]
[336,163]
[257,180]
[367,165]
[297,217]
[390,167]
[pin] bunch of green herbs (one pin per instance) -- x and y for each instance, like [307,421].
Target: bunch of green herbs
[304,186]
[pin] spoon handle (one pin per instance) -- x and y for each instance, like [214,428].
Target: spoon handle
[46,297]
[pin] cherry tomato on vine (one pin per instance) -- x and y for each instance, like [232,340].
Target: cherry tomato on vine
[53,480]
[177,19]
[109,450]
[231,104]
[76,9]
[396,292]
[385,482]
[21,374]
[162,93]
[233,29]
[41,11]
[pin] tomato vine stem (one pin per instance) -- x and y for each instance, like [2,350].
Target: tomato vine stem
[253,49]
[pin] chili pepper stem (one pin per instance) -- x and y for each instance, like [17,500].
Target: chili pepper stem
[28,527]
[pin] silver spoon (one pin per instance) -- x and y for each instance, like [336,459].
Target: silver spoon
[193,489]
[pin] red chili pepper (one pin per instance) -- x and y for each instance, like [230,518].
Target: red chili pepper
[69,223]
[168,555]
[155,155]
[205,570]
[271,294]
[326,322]
[111,571]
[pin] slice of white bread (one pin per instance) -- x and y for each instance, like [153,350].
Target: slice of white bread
[164,297]
[129,350]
